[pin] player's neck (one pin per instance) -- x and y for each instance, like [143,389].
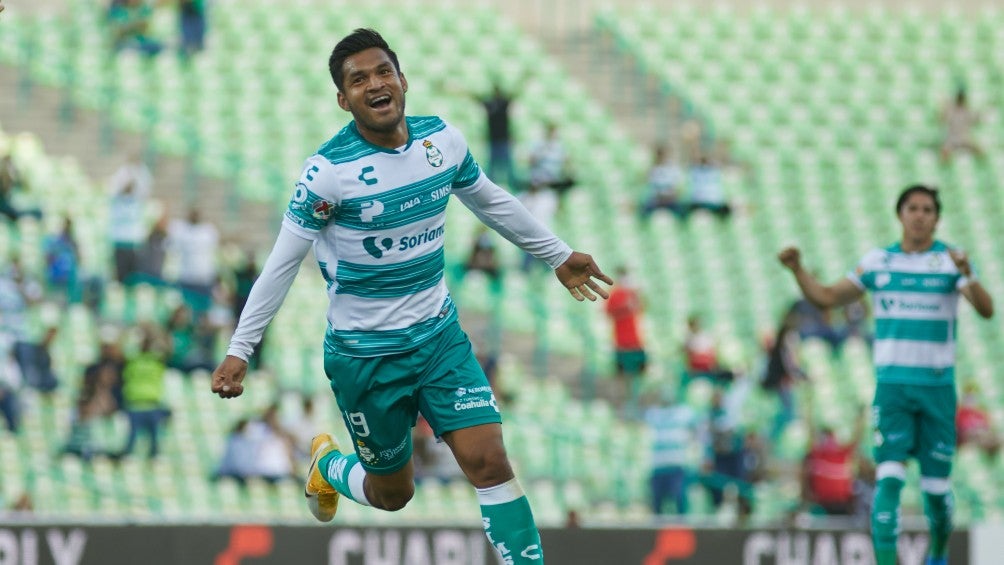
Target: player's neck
[387,139]
[916,245]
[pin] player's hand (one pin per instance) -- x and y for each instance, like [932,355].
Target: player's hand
[577,274]
[961,260]
[791,258]
[227,378]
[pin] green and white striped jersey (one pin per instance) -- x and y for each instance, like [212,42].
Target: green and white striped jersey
[377,221]
[915,298]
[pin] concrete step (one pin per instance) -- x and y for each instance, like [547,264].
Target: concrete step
[66,131]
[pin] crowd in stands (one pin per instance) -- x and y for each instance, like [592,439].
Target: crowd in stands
[125,380]
[130,23]
[709,447]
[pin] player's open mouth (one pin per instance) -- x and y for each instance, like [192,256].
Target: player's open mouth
[380,102]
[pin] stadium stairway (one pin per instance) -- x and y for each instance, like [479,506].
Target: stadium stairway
[84,134]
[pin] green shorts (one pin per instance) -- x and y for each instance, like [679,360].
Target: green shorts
[380,397]
[915,421]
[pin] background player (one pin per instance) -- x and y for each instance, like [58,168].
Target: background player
[915,287]
[372,204]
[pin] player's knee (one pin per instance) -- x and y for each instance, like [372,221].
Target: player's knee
[935,485]
[890,470]
[488,467]
[392,498]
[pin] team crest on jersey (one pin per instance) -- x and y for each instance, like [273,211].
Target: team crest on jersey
[934,262]
[432,154]
[322,209]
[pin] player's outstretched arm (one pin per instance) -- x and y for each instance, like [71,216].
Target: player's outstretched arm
[837,294]
[229,376]
[579,274]
[974,291]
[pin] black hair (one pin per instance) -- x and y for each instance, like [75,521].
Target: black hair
[359,40]
[918,189]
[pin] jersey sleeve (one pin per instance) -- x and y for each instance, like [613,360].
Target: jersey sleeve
[314,200]
[863,274]
[469,172]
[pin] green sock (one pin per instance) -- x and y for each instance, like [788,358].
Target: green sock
[509,524]
[938,509]
[345,474]
[885,520]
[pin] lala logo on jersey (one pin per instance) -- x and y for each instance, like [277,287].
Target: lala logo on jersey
[432,154]
[322,209]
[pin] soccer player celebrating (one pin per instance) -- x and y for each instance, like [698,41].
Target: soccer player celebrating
[915,287]
[372,204]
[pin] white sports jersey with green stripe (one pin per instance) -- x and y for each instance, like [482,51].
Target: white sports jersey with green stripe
[377,220]
[915,298]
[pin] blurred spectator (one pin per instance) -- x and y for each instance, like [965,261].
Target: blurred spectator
[10,384]
[62,261]
[129,21]
[677,435]
[273,447]
[549,163]
[35,362]
[192,25]
[195,241]
[244,277]
[665,181]
[99,397]
[239,453]
[143,392]
[130,187]
[192,340]
[18,293]
[542,202]
[500,163]
[302,427]
[729,462]
[624,309]
[11,180]
[973,425]
[433,459]
[783,371]
[482,256]
[154,252]
[700,350]
[706,189]
[103,378]
[856,320]
[828,470]
[816,322]
[958,120]
[23,504]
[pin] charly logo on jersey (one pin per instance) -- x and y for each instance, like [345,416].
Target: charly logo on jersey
[882,279]
[934,261]
[369,181]
[432,154]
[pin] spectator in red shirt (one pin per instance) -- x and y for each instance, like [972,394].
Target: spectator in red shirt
[973,424]
[700,351]
[829,468]
[624,309]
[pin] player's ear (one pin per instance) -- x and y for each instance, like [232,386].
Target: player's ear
[343,102]
[404,82]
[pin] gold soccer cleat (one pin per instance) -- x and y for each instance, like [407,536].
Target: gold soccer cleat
[322,498]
